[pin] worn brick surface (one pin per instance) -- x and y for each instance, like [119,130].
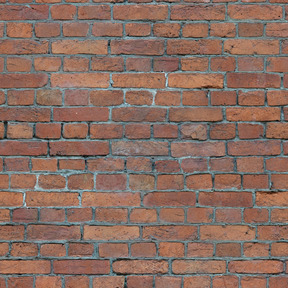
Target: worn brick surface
[143,143]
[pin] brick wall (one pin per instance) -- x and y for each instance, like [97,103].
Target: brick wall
[143,144]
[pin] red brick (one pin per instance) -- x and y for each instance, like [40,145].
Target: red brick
[277,164]
[48,64]
[227,181]
[140,266]
[198,266]
[111,182]
[52,281]
[47,30]
[76,97]
[229,281]
[195,12]
[139,148]
[63,12]
[81,182]
[111,232]
[81,267]
[251,47]
[250,131]
[76,64]
[109,64]
[110,199]
[56,250]
[25,266]
[166,29]
[16,164]
[228,250]
[223,29]
[137,131]
[141,182]
[226,199]
[167,166]
[51,232]
[101,12]
[71,164]
[22,47]
[194,64]
[143,250]
[105,164]
[271,199]
[199,181]
[196,30]
[139,80]
[275,98]
[194,164]
[25,215]
[166,281]
[262,12]
[24,131]
[255,182]
[207,149]
[20,281]
[222,131]
[79,214]
[78,148]
[195,114]
[170,232]
[249,282]
[34,199]
[137,29]
[107,281]
[49,130]
[75,131]
[256,266]
[223,64]
[140,12]
[221,164]
[23,80]
[256,249]
[22,181]
[193,47]
[165,131]
[256,148]
[83,80]
[107,29]
[250,64]
[171,249]
[254,215]
[253,80]
[80,249]
[17,64]
[52,215]
[23,98]
[20,12]
[250,164]
[169,199]
[139,215]
[137,47]
[194,131]
[199,215]
[80,47]
[277,31]
[232,233]
[279,282]
[223,98]
[113,250]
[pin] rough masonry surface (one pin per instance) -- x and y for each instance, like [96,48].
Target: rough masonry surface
[143,143]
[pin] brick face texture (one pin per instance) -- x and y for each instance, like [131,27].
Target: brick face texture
[143,143]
